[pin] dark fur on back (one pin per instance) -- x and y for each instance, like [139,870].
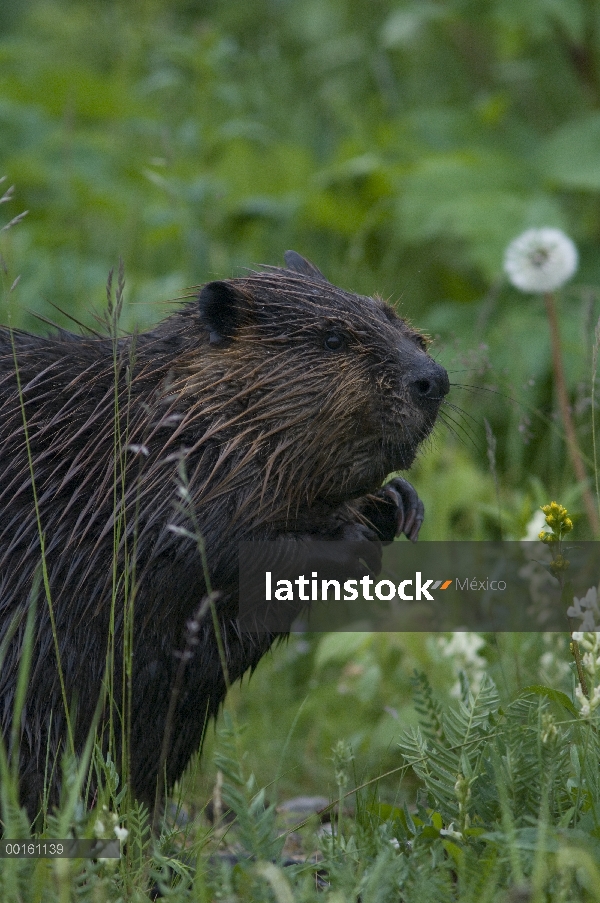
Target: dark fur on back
[288,401]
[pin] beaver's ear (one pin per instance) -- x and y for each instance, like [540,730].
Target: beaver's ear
[299,264]
[221,310]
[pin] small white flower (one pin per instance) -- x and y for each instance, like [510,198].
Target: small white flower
[588,624]
[450,832]
[99,828]
[583,702]
[540,260]
[465,644]
[586,609]
[535,526]
[549,729]
[590,600]
[121,833]
[463,649]
[588,705]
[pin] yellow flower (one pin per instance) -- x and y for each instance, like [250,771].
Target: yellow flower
[559,564]
[557,518]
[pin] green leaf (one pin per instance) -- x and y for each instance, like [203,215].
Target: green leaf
[549,693]
[571,156]
[335,647]
[437,820]
[454,850]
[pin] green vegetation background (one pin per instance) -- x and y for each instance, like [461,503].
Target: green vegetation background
[401,146]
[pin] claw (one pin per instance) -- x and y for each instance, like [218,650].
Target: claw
[402,512]
[419,516]
[410,522]
[411,512]
[396,498]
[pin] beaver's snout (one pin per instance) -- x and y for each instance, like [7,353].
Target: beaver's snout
[429,384]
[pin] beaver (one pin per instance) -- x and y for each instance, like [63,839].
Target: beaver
[271,405]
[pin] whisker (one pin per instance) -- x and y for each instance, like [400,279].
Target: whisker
[445,417]
[451,430]
[471,388]
[461,411]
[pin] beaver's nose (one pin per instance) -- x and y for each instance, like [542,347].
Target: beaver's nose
[431,384]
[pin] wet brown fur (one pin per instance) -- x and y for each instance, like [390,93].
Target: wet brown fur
[278,436]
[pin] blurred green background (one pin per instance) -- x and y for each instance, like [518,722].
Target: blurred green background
[401,146]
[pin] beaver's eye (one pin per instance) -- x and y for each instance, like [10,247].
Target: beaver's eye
[334,341]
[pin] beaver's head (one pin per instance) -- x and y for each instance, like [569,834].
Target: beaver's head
[329,391]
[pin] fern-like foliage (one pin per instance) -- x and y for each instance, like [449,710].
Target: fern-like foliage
[469,753]
[451,744]
[255,819]
[427,707]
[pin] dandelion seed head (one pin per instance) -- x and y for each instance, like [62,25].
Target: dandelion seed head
[540,260]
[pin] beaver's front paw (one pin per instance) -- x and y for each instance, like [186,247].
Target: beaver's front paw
[395,509]
[364,544]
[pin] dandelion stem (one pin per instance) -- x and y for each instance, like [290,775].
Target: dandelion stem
[574,645]
[595,350]
[565,410]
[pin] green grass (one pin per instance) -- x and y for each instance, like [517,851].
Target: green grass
[193,142]
[401,149]
[487,795]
